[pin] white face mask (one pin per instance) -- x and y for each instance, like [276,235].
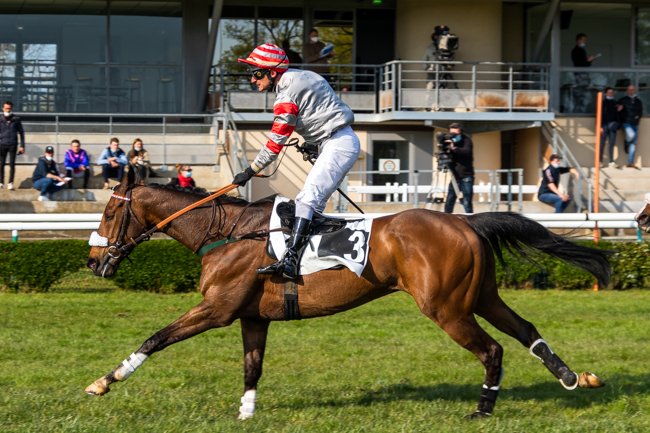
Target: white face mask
[7,113]
[137,148]
[313,39]
[555,164]
[49,158]
[187,174]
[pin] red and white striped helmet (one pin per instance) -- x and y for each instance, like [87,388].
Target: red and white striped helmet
[267,56]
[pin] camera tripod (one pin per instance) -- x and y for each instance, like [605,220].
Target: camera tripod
[439,184]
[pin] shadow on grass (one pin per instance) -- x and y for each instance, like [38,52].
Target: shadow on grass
[617,386]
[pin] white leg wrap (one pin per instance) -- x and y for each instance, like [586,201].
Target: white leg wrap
[575,385]
[247,408]
[129,365]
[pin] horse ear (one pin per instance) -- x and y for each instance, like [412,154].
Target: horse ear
[129,176]
[134,176]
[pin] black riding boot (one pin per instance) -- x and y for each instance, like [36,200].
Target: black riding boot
[288,265]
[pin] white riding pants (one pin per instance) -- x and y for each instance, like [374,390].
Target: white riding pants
[336,157]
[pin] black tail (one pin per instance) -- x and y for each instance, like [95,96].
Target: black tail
[511,231]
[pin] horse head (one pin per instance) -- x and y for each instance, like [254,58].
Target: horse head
[114,239]
[642,218]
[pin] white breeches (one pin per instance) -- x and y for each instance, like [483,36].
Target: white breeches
[336,157]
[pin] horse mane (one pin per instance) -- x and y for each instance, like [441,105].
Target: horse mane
[202,192]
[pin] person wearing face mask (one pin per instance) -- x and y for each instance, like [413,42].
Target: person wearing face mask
[631,110]
[304,103]
[316,60]
[461,149]
[183,178]
[549,191]
[47,178]
[580,59]
[609,125]
[11,130]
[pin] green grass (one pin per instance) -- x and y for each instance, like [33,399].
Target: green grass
[380,368]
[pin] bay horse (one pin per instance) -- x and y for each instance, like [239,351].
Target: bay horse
[642,218]
[445,262]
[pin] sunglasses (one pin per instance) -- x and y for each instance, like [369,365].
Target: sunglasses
[258,74]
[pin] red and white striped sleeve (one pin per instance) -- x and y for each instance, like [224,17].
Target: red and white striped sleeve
[284,123]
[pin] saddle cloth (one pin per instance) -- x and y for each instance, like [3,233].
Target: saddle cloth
[347,246]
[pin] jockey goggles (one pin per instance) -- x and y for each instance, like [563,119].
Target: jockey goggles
[258,74]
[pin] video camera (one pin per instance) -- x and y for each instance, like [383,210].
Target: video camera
[444,155]
[447,43]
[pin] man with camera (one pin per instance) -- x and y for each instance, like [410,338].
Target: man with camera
[458,151]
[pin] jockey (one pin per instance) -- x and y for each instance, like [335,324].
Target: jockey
[306,103]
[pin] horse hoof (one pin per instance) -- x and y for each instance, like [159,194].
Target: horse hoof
[478,415]
[98,387]
[589,380]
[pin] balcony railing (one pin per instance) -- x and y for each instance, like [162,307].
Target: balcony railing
[411,86]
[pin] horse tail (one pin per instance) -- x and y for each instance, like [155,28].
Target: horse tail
[514,232]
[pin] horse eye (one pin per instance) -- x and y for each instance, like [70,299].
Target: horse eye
[108,217]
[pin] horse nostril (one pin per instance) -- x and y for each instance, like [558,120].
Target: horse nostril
[92,264]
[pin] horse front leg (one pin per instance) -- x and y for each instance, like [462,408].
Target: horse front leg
[254,334]
[198,319]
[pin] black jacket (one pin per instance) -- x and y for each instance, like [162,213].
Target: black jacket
[610,112]
[43,168]
[10,128]
[463,158]
[632,110]
[579,57]
[551,175]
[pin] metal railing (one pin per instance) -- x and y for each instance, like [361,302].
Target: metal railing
[411,85]
[415,191]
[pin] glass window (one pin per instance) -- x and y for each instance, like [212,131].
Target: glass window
[642,56]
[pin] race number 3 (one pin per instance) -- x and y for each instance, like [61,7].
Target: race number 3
[359,254]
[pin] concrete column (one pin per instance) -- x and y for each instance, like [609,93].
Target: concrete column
[195,47]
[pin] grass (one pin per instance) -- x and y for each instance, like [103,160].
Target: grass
[380,368]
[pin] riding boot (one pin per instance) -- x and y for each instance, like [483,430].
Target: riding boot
[288,265]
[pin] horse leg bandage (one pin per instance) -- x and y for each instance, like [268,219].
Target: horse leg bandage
[489,396]
[247,408]
[129,365]
[540,349]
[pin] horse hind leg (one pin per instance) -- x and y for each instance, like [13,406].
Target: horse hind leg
[195,321]
[492,308]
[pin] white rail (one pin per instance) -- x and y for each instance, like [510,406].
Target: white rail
[91,221]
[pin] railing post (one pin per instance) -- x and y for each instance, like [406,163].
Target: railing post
[164,143]
[511,93]
[473,106]
[509,176]
[416,182]
[520,177]
[342,205]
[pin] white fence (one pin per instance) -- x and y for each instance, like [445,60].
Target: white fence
[63,221]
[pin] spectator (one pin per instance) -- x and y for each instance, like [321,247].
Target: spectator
[11,129]
[580,59]
[139,159]
[46,177]
[631,109]
[317,55]
[113,159]
[294,57]
[609,125]
[76,163]
[549,190]
[183,178]
[461,149]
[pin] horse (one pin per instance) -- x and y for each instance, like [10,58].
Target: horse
[445,262]
[642,217]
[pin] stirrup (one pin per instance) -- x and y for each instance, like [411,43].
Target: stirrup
[273,268]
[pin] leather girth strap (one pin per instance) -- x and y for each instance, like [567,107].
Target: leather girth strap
[291,310]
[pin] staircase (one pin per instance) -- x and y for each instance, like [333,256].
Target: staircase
[622,189]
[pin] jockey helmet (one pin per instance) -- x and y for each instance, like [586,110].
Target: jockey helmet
[267,56]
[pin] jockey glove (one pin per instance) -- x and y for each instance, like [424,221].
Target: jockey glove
[243,177]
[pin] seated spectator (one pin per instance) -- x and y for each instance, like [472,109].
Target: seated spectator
[46,177]
[139,160]
[549,191]
[76,163]
[184,177]
[113,159]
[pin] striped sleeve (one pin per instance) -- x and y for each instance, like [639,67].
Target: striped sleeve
[284,123]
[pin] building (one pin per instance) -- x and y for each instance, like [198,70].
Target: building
[511,74]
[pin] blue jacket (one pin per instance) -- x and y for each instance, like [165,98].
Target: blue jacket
[10,128]
[106,153]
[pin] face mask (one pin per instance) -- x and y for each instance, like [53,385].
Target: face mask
[49,158]
[187,174]
[313,39]
[609,97]
[8,113]
[137,148]
[583,45]
[555,165]
[457,138]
